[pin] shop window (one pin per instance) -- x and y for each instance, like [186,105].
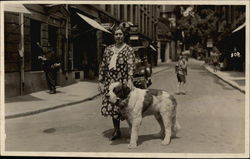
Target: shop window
[115,10]
[35,32]
[108,8]
[141,27]
[128,13]
[134,14]
[121,12]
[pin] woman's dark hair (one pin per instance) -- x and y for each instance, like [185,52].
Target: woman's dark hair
[125,33]
[118,28]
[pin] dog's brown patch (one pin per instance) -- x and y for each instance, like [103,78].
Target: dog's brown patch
[155,92]
[148,100]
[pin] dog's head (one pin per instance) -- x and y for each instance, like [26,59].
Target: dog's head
[118,92]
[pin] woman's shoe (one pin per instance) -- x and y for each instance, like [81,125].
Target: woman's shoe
[116,134]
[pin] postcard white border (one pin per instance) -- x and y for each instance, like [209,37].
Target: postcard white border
[146,155]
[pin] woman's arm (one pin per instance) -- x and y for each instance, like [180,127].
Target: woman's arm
[103,67]
[131,63]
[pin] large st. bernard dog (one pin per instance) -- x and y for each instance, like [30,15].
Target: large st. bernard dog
[136,103]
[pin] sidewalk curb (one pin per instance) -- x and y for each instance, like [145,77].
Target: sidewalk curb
[59,106]
[161,70]
[50,108]
[226,81]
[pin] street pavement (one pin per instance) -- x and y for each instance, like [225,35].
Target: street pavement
[42,101]
[211,115]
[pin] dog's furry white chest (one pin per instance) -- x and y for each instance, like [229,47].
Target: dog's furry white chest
[136,99]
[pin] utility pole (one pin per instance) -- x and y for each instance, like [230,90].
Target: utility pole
[21,52]
[67,42]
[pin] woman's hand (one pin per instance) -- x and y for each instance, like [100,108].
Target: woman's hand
[41,58]
[57,64]
[130,83]
[101,87]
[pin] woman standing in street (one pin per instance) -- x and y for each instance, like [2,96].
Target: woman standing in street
[117,66]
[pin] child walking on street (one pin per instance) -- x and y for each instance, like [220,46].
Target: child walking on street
[181,72]
[215,58]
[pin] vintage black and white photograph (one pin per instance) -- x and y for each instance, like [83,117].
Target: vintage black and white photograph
[125,78]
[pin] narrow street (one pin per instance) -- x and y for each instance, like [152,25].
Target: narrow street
[211,115]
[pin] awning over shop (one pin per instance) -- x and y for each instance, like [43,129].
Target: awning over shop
[18,8]
[239,28]
[53,8]
[93,23]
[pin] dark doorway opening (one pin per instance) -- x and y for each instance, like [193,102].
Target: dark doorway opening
[52,37]
[35,32]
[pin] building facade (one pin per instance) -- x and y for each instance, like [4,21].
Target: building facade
[166,43]
[89,43]
[77,42]
[46,24]
[232,34]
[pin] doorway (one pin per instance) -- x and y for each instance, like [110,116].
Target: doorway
[35,33]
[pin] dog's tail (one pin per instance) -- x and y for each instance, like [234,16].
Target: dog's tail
[176,128]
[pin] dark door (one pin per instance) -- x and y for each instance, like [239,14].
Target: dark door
[52,37]
[35,32]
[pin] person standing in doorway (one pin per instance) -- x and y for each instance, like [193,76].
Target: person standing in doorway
[117,66]
[181,72]
[51,65]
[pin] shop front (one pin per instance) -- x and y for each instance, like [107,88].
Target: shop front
[43,24]
[86,39]
[231,45]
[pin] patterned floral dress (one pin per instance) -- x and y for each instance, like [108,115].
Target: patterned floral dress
[122,73]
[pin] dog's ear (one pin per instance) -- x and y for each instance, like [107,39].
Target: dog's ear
[122,91]
[126,90]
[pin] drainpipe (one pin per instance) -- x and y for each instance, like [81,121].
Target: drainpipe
[67,43]
[21,52]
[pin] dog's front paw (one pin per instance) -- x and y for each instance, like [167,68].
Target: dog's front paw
[132,146]
[165,142]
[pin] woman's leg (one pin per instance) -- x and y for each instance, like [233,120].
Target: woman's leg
[116,133]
